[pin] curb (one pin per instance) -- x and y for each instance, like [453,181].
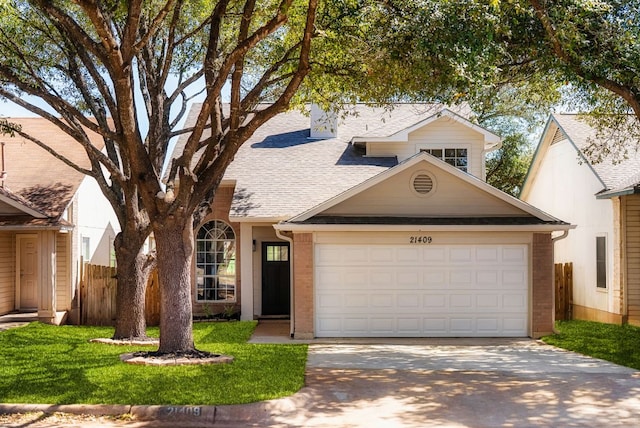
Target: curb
[182,414]
[251,414]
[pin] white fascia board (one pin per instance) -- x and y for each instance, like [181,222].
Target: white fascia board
[25,209]
[538,155]
[291,227]
[245,219]
[491,139]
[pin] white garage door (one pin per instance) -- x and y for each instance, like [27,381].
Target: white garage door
[421,290]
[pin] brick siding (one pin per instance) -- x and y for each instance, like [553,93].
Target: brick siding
[303,280]
[542,299]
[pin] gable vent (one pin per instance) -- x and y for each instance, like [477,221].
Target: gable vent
[558,136]
[422,184]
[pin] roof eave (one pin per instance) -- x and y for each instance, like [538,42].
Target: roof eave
[620,192]
[300,227]
[249,219]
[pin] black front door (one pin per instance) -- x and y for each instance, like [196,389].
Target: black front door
[275,278]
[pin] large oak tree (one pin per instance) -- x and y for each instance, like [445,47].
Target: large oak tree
[127,71]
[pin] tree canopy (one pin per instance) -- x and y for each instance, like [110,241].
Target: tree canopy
[127,70]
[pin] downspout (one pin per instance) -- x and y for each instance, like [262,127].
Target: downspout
[291,288]
[558,238]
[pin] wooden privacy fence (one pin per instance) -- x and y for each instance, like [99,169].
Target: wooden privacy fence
[564,290]
[98,296]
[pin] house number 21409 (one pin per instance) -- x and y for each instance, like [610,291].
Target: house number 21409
[420,240]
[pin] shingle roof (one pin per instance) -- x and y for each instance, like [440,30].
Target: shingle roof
[281,172]
[35,175]
[615,174]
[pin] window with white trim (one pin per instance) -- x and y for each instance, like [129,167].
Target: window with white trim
[216,263]
[456,157]
[601,261]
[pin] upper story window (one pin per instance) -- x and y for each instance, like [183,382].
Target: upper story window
[455,157]
[216,262]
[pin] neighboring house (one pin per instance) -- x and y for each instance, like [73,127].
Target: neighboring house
[376,224]
[51,218]
[603,200]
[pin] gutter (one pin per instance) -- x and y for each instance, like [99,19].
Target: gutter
[291,288]
[310,227]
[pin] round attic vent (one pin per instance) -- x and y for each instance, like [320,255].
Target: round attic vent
[422,183]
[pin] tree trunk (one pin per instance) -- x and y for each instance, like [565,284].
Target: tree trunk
[174,245]
[133,268]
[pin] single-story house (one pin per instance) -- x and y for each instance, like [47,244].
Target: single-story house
[51,218]
[378,223]
[603,200]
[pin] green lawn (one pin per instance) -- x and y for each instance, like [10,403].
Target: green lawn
[41,363]
[615,343]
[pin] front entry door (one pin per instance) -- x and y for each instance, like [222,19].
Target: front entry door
[28,271]
[276,279]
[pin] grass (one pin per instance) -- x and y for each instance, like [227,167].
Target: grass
[618,344]
[47,364]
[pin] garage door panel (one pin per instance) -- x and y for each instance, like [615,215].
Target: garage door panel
[408,301]
[382,300]
[434,326]
[409,326]
[354,301]
[487,254]
[326,302]
[488,326]
[514,302]
[421,290]
[409,278]
[488,302]
[434,255]
[435,278]
[381,279]
[460,301]
[462,326]
[461,278]
[513,278]
[383,326]
[381,255]
[513,325]
[461,254]
[487,278]
[356,326]
[514,255]
[436,301]
[409,255]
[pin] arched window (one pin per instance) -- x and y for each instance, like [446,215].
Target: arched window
[216,263]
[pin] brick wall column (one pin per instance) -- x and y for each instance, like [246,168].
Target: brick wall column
[542,284]
[303,286]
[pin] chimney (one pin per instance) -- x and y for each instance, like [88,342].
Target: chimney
[324,124]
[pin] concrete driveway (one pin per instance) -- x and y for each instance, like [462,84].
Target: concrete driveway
[452,383]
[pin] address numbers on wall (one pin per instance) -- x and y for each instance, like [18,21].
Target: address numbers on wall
[420,239]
